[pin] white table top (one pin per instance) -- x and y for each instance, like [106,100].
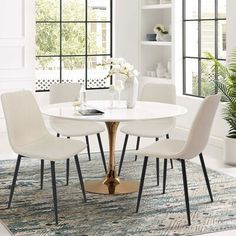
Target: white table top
[142,111]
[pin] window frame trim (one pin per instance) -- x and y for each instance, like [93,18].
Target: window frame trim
[216,21]
[86,55]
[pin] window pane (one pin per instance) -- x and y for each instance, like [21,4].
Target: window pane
[207,75]
[47,39]
[191,38]
[191,10]
[208,37]
[207,9]
[73,39]
[222,39]
[47,10]
[191,69]
[73,69]
[221,8]
[99,38]
[73,10]
[99,10]
[47,72]
[96,74]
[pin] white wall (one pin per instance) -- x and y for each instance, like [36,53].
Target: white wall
[231,23]
[17,29]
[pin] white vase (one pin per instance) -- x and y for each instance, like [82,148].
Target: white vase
[160,70]
[132,90]
[229,151]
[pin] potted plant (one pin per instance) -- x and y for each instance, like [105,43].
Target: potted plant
[161,33]
[227,85]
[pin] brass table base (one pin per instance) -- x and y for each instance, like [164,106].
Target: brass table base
[111,184]
[124,187]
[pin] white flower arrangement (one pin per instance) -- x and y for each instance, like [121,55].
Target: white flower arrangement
[160,29]
[118,66]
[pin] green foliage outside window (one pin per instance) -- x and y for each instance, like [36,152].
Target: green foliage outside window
[73,34]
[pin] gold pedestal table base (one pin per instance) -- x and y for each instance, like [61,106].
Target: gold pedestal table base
[112,184]
[124,187]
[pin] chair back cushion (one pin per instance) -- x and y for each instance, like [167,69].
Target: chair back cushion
[23,118]
[165,93]
[201,127]
[64,92]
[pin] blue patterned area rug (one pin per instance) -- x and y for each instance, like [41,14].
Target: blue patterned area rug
[32,213]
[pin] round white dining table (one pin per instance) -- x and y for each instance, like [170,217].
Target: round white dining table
[111,184]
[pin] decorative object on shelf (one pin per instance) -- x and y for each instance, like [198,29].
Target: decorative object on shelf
[160,70]
[118,66]
[168,73]
[161,33]
[226,84]
[151,73]
[151,37]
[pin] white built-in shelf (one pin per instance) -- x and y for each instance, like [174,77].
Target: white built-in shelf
[156,6]
[158,80]
[156,43]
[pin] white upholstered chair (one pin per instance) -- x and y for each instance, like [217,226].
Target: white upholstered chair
[184,150]
[29,138]
[71,128]
[164,93]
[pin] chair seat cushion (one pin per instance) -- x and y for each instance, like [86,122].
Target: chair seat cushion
[166,148]
[149,129]
[74,128]
[51,148]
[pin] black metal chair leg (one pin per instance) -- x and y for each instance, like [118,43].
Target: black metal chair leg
[141,183]
[54,189]
[186,190]
[102,152]
[80,177]
[42,174]
[171,164]
[206,176]
[88,147]
[171,161]
[164,176]
[157,170]
[14,180]
[137,147]
[67,171]
[123,153]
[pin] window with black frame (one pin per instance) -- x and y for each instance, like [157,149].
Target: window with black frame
[72,38]
[204,30]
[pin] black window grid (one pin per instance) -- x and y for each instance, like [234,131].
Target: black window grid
[86,55]
[216,20]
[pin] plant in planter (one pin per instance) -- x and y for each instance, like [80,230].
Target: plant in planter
[227,85]
[161,33]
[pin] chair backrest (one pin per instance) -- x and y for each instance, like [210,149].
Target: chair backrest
[201,127]
[23,118]
[64,92]
[164,93]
